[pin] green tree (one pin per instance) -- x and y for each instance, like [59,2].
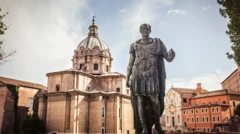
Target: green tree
[31,124]
[3,28]
[231,10]
[237,110]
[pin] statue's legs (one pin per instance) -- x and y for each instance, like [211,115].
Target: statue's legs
[156,111]
[141,110]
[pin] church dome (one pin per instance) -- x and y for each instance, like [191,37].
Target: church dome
[92,54]
[90,42]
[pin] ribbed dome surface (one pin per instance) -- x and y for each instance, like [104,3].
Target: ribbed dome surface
[90,42]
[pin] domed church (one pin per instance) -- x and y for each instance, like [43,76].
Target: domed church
[88,98]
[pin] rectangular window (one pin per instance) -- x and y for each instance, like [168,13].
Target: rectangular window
[173,121]
[196,111]
[202,110]
[178,119]
[120,113]
[86,59]
[206,110]
[193,129]
[204,130]
[106,68]
[202,119]
[234,104]
[218,118]
[187,119]
[167,120]
[95,66]
[208,130]
[118,89]
[185,100]
[206,119]
[217,109]
[128,132]
[184,112]
[192,119]
[57,87]
[80,66]
[212,109]
[226,118]
[103,131]
[103,112]
[192,111]
[197,119]
[213,119]
[187,111]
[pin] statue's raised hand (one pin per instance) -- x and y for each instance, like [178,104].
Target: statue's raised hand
[171,53]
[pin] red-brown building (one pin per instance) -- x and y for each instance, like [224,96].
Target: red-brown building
[17,99]
[232,81]
[210,111]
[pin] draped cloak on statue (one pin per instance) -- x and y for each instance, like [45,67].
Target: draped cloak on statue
[148,74]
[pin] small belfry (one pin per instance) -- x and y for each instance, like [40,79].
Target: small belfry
[92,54]
[93,29]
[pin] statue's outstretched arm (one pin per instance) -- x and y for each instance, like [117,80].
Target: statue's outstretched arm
[170,55]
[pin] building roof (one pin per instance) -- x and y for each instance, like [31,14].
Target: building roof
[183,90]
[108,74]
[229,75]
[21,83]
[206,105]
[217,92]
[112,74]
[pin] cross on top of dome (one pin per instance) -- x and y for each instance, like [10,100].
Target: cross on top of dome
[93,29]
[93,20]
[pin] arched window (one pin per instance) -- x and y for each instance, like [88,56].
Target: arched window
[57,87]
[29,103]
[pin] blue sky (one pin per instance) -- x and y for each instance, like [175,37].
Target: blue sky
[46,33]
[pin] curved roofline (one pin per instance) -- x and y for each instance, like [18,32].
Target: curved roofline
[102,45]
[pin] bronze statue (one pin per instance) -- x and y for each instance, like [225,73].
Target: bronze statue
[147,81]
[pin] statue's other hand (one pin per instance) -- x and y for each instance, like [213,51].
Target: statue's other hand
[127,84]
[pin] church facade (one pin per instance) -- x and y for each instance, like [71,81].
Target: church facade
[88,98]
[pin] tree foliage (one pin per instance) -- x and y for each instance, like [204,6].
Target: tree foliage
[231,10]
[237,110]
[3,28]
[31,124]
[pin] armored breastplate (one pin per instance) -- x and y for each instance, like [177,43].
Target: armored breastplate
[146,57]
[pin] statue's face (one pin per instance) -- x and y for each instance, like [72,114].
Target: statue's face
[145,30]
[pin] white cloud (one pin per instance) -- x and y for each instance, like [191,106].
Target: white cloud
[44,34]
[143,12]
[210,81]
[206,8]
[176,11]
[122,10]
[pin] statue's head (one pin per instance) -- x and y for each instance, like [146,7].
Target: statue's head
[145,29]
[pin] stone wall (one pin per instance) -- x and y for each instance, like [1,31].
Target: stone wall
[56,110]
[7,115]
